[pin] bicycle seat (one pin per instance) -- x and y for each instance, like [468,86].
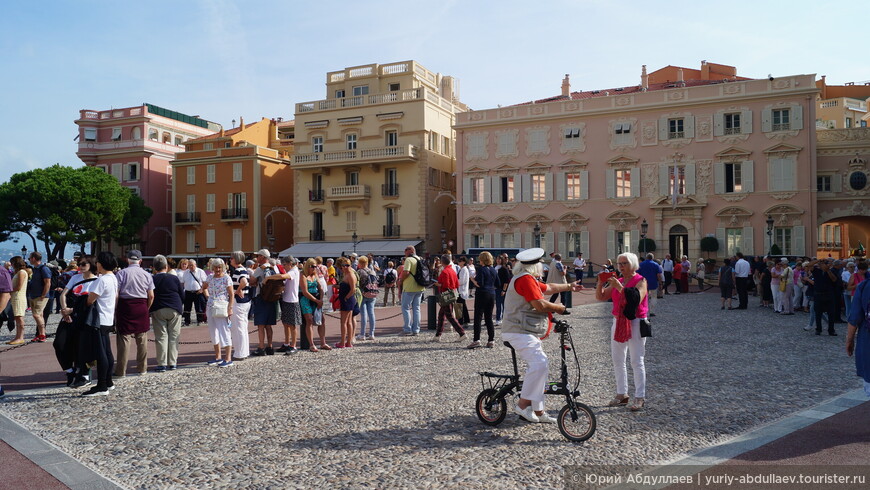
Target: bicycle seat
[508,345]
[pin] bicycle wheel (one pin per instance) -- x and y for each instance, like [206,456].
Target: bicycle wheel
[497,412]
[579,429]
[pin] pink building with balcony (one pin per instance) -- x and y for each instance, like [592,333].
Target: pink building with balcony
[582,171]
[135,145]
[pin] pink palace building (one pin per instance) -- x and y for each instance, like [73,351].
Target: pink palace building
[135,145]
[685,154]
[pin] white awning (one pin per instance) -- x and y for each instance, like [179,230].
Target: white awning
[337,249]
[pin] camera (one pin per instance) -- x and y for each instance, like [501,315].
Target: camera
[560,326]
[604,276]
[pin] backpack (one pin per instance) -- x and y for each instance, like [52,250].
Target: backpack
[271,291]
[370,290]
[421,273]
[55,278]
[390,277]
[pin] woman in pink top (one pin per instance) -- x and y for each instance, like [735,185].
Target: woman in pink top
[625,333]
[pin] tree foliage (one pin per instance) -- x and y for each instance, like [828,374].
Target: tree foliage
[60,205]
[646,245]
[709,244]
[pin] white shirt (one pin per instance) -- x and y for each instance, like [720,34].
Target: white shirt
[845,276]
[291,286]
[580,263]
[106,288]
[464,275]
[668,265]
[741,268]
[192,281]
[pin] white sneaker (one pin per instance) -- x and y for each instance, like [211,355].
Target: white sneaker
[546,419]
[436,338]
[527,414]
[461,338]
[498,322]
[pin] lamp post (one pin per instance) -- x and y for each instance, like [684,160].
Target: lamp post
[24,251]
[443,240]
[644,226]
[196,249]
[769,233]
[272,244]
[354,237]
[537,232]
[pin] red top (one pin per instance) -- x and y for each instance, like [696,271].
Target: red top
[530,289]
[678,270]
[448,279]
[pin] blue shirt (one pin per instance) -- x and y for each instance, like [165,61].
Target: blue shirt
[650,271]
[36,285]
[859,304]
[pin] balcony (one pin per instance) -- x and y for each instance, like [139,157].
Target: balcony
[384,154]
[316,235]
[348,192]
[234,214]
[390,190]
[187,218]
[315,195]
[398,96]
[391,231]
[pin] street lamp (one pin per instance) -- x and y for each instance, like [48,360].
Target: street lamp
[196,248]
[769,233]
[271,243]
[443,240]
[24,251]
[644,226]
[354,237]
[537,231]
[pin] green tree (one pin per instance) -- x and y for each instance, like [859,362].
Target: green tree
[709,244]
[126,233]
[646,245]
[59,205]
[775,250]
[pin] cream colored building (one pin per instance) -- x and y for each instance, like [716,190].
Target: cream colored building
[374,162]
[842,106]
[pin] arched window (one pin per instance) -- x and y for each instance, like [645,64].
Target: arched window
[136,134]
[178,140]
[167,138]
[152,134]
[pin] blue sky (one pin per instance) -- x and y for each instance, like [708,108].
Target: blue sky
[222,59]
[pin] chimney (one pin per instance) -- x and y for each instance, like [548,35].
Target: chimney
[241,122]
[680,75]
[644,78]
[566,86]
[222,132]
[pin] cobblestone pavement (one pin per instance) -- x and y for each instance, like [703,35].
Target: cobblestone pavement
[399,412]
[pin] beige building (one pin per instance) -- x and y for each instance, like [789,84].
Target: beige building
[374,162]
[842,106]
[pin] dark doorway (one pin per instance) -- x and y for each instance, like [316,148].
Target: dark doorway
[678,242]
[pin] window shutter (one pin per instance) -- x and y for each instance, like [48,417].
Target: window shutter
[487,237]
[530,241]
[466,190]
[719,178]
[766,120]
[244,200]
[836,183]
[747,172]
[526,187]
[775,183]
[635,182]
[689,126]
[550,241]
[562,244]
[748,242]
[487,190]
[495,189]
[664,178]
[663,128]
[788,177]
[118,171]
[230,200]
[611,244]
[690,179]
[718,124]
[635,241]
[584,184]
[496,240]
[467,243]
[746,122]
[723,244]
[610,183]
[797,121]
[191,203]
[560,186]
[548,186]
[584,242]
[798,240]
[517,239]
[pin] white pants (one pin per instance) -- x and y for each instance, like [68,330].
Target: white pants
[528,348]
[651,301]
[636,348]
[219,329]
[777,297]
[239,329]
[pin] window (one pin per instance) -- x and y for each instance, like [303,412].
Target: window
[506,189]
[351,220]
[132,172]
[445,145]
[782,237]
[675,128]
[178,140]
[433,141]
[572,186]
[350,140]
[782,174]
[237,172]
[207,146]
[152,134]
[780,120]
[680,186]
[623,183]
[191,241]
[209,203]
[476,241]
[90,134]
[733,241]
[622,133]
[393,87]
[339,94]
[848,122]
[573,244]
[571,133]
[237,203]
[392,138]
[391,182]
[237,238]
[191,203]
[228,145]
[209,174]
[391,226]
[476,143]
[623,242]
[507,240]
[317,144]
[507,143]
[270,226]
[351,178]
[823,183]
[167,138]
[732,123]
[360,90]
[191,175]
[477,190]
[209,238]
[116,134]
[539,187]
[733,177]
[136,134]
[317,224]
[536,141]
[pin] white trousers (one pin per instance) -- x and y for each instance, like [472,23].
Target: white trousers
[636,348]
[239,329]
[219,329]
[777,297]
[529,349]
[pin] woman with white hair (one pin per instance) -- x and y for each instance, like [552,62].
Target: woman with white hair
[629,295]
[220,293]
[526,322]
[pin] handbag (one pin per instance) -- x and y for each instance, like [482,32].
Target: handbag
[447,298]
[645,327]
[782,283]
[219,308]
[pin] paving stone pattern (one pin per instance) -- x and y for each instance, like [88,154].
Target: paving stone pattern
[399,412]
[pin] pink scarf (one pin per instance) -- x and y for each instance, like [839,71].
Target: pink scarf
[622,332]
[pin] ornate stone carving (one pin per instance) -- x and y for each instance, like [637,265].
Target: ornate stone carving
[676,143]
[781,83]
[676,95]
[509,135]
[733,139]
[648,133]
[703,178]
[650,178]
[537,109]
[623,101]
[734,197]
[544,148]
[732,88]
[506,113]
[782,196]
[623,202]
[478,116]
[572,106]
[507,206]
[704,128]
[836,135]
[782,135]
[573,204]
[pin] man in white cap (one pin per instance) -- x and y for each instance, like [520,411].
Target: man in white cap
[265,312]
[526,318]
[132,320]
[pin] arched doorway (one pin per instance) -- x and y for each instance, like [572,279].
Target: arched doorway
[678,241]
